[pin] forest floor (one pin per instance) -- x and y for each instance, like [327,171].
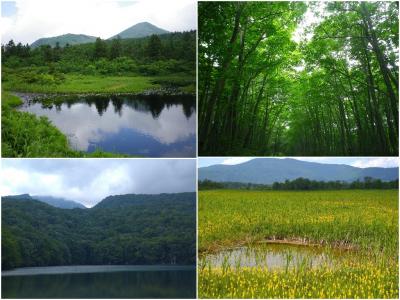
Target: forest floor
[25,135]
[364,222]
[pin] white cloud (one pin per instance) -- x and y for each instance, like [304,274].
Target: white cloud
[236,160]
[45,18]
[382,162]
[89,181]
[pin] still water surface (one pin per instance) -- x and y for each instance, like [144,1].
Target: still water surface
[275,256]
[150,126]
[100,282]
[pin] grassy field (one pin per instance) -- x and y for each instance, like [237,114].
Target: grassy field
[363,220]
[75,83]
[25,135]
[83,84]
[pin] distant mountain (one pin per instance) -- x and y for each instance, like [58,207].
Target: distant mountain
[72,39]
[18,197]
[120,201]
[140,30]
[270,170]
[136,31]
[53,201]
[59,202]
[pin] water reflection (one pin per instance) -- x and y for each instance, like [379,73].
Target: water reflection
[147,284]
[275,256]
[156,126]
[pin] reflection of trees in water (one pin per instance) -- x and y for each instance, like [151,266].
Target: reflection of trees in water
[149,284]
[117,103]
[188,109]
[154,104]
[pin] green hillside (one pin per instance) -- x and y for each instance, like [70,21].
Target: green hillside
[158,231]
[63,40]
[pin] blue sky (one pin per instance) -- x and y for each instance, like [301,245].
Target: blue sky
[28,20]
[361,162]
[8,8]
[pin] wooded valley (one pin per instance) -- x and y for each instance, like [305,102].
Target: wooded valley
[297,78]
[124,229]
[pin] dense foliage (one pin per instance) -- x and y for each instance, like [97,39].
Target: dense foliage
[263,91]
[154,55]
[302,184]
[160,230]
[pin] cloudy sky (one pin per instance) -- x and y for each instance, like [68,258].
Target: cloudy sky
[360,162]
[88,181]
[28,20]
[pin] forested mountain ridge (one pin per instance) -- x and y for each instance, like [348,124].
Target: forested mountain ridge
[140,199]
[270,170]
[59,202]
[262,92]
[63,40]
[37,234]
[53,201]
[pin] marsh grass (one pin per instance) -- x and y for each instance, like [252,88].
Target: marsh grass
[78,83]
[74,83]
[361,222]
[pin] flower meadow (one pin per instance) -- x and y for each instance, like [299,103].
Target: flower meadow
[362,224]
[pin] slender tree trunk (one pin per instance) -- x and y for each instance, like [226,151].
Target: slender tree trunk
[221,78]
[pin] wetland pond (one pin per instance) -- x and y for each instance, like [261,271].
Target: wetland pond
[162,281]
[274,256]
[149,126]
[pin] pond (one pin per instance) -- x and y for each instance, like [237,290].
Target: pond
[274,256]
[100,282]
[149,126]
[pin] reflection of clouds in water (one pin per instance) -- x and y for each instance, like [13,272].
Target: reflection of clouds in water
[83,125]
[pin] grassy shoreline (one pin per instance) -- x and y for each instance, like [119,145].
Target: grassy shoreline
[25,135]
[88,84]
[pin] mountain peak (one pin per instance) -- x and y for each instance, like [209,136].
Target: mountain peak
[140,30]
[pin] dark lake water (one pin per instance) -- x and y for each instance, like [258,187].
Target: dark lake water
[100,282]
[275,256]
[150,126]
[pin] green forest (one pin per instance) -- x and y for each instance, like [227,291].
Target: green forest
[303,184]
[124,229]
[168,59]
[298,78]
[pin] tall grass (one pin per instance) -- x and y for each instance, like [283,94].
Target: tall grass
[364,221]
